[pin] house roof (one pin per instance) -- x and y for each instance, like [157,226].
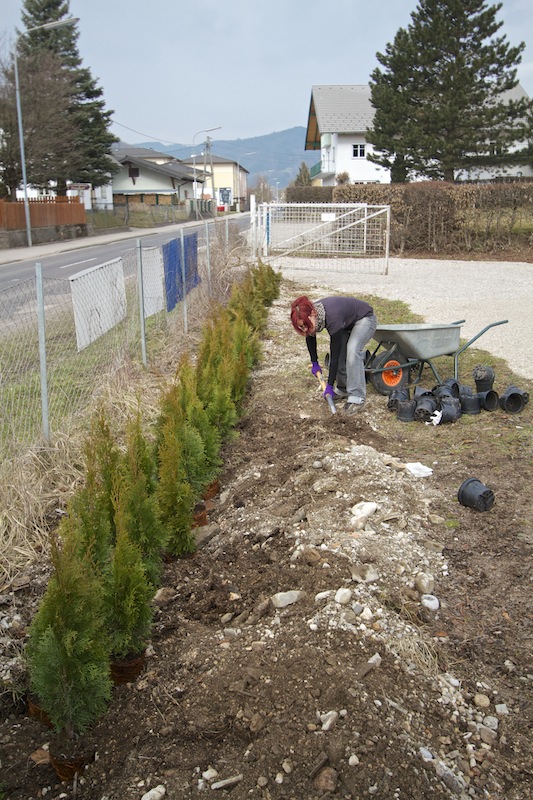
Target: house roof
[120,150]
[174,169]
[338,109]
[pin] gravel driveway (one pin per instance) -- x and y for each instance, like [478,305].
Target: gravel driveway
[479,292]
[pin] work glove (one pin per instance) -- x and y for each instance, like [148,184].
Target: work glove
[329,391]
[315,368]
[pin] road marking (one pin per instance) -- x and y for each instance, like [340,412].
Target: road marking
[75,263]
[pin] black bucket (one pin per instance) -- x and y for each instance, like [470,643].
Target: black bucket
[512,400]
[488,400]
[470,404]
[484,378]
[406,410]
[474,494]
[454,386]
[396,396]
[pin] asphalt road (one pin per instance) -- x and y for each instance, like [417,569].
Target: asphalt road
[63,259]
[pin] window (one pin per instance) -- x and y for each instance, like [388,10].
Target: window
[358,151]
[134,172]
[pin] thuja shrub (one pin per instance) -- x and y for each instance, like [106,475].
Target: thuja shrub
[128,591]
[138,507]
[174,493]
[68,647]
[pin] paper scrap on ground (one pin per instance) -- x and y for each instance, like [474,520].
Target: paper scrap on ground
[418,470]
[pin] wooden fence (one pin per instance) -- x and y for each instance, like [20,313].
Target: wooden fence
[44,212]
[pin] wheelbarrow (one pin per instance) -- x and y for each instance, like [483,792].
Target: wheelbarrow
[403,348]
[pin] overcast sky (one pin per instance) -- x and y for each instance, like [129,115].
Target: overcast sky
[176,67]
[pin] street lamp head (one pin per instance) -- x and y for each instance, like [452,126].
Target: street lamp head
[48,26]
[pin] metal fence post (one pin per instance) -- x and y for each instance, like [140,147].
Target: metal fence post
[42,352]
[208,254]
[140,284]
[185,319]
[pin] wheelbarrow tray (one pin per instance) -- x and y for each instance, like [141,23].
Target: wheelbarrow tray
[421,340]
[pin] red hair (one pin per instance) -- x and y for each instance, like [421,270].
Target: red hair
[301,310]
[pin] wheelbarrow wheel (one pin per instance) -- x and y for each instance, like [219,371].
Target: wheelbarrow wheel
[394,376]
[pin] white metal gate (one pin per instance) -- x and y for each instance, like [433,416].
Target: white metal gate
[338,237]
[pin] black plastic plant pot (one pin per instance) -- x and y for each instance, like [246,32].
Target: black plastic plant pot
[450,412]
[525,395]
[406,410]
[421,392]
[442,391]
[470,404]
[465,390]
[474,494]
[511,401]
[454,386]
[488,400]
[396,396]
[483,377]
[425,406]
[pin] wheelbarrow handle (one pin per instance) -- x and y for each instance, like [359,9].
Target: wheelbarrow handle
[471,341]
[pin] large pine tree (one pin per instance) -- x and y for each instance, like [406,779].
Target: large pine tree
[86,160]
[441,98]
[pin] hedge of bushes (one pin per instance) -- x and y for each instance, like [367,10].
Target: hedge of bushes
[135,509]
[437,217]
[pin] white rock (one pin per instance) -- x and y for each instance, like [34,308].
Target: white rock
[155,794]
[353,761]
[366,614]
[283,599]
[329,720]
[210,774]
[343,596]
[430,601]
[501,709]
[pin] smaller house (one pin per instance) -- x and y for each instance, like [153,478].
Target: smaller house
[147,176]
[229,178]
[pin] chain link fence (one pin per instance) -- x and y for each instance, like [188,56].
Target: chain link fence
[61,340]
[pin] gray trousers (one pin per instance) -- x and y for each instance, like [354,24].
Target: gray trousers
[351,372]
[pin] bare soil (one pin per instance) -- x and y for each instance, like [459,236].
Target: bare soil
[333,695]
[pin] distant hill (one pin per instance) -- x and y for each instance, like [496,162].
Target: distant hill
[276,155]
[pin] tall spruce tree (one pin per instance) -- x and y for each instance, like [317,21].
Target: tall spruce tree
[442,100]
[87,158]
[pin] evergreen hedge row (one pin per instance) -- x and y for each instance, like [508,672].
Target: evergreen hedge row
[135,508]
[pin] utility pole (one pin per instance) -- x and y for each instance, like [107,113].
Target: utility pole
[209,155]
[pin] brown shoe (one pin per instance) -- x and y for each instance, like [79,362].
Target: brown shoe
[352,408]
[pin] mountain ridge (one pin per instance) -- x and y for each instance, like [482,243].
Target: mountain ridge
[276,155]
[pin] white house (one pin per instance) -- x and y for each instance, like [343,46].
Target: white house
[339,117]
[147,175]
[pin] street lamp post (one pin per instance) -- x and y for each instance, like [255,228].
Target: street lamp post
[46,27]
[205,130]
